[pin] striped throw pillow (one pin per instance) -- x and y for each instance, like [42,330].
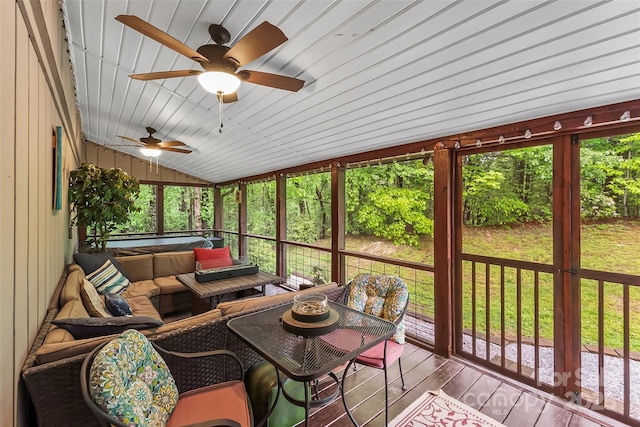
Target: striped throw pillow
[108,280]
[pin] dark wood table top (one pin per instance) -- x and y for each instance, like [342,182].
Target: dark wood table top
[224,286]
[307,358]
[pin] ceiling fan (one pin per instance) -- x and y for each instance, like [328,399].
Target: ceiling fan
[220,63]
[153,146]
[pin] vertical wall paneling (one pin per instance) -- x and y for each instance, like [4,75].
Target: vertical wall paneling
[21,299]
[36,94]
[7,213]
[107,158]
[32,171]
[44,208]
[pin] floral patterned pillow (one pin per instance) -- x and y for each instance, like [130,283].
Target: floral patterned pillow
[131,381]
[382,296]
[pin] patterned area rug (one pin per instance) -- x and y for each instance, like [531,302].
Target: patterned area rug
[437,409]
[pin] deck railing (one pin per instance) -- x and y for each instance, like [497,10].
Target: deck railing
[306,264]
[506,318]
[611,342]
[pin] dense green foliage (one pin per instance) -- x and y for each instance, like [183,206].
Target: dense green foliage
[230,208]
[144,219]
[309,207]
[515,186]
[261,208]
[393,201]
[188,208]
[185,208]
[101,200]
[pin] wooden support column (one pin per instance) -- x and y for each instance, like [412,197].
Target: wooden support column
[566,256]
[443,249]
[160,210]
[241,199]
[337,223]
[217,209]
[281,222]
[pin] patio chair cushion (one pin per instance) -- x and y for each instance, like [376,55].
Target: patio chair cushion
[382,296]
[224,400]
[131,381]
[375,355]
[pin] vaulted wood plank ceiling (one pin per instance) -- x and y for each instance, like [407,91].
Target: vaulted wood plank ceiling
[377,73]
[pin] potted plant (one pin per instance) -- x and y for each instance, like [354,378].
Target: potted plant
[101,199]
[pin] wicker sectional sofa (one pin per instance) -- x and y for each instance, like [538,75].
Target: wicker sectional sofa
[51,371]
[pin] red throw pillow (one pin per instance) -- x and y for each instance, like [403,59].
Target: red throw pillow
[215,263]
[212,258]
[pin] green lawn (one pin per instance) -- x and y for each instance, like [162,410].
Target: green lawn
[610,246]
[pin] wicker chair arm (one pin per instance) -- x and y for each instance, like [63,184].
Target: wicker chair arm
[216,423]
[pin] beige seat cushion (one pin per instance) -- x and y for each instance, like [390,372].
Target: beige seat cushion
[138,267]
[146,288]
[238,306]
[142,306]
[72,285]
[74,309]
[172,263]
[169,285]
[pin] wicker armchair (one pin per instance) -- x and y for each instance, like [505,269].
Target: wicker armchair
[126,381]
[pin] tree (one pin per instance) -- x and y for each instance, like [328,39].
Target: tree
[394,201]
[101,200]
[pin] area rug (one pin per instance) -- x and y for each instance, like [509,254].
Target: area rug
[437,409]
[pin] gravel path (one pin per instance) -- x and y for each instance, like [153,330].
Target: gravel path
[613,375]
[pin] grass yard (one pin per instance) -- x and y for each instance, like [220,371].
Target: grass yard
[609,246]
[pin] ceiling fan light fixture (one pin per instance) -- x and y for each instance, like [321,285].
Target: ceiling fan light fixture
[150,152]
[218,81]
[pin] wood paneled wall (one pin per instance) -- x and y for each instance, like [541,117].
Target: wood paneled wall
[106,157]
[36,95]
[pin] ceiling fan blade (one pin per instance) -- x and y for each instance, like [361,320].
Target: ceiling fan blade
[160,36]
[272,80]
[130,139]
[165,74]
[262,39]
[229,97]
[164,144]
[175,150]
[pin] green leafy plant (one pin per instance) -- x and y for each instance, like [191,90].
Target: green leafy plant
[101,199]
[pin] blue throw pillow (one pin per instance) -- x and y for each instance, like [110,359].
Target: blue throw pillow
[117,305]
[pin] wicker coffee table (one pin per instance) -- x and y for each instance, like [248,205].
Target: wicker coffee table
[206,295]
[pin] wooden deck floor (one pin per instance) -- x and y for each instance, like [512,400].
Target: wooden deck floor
[503,399]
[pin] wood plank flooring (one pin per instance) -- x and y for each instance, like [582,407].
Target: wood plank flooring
[503,399]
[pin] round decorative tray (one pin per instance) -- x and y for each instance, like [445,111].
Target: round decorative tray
[310,329]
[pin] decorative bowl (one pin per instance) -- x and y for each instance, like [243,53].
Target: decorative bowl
[310,307]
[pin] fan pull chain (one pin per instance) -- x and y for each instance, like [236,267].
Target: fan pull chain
[220,101]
